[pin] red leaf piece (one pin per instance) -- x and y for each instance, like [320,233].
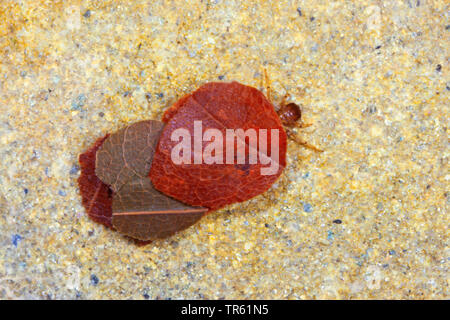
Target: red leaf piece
[221,106]
[96,196]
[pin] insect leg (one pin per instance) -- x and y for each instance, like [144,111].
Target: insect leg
[292,135]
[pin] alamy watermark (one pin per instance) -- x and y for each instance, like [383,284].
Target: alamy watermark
[231,149]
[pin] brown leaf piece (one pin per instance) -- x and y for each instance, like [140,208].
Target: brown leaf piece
[128,153]
[142,212]
[138,210]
